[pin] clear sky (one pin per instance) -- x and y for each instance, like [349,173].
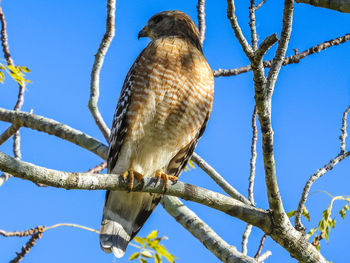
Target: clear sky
[57,41]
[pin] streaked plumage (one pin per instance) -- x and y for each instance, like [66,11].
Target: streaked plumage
[162,112]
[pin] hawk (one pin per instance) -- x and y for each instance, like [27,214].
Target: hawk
[162,112]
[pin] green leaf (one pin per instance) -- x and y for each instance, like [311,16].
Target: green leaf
[162,251]
[134,256]
[326,234]
[342,213]
[311,232]
[334,223]
[291,214]
[322,225]
[153,234]
[306,214]
[142,260]
[318,247]
[25,69]
[326,213]
[140,241]
[146,254]
[157,258]
[346,207]
[190,163]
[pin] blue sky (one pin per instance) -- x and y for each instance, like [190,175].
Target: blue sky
[57,40]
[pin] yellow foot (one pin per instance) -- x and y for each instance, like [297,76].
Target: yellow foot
[131,174]
[165,177]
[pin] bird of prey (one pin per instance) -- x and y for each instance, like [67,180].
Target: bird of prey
[162,112]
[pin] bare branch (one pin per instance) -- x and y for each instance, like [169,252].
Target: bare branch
[25,233]
[260,4]
[338,5]
[229,189]
[231,15]
[252,26]
[265,46]
[53,127]
[96,69]
[262,242]
[264,256]
[245,237]
[21,87]
[27,247]
[329,166]
[248,228]
[201,19]
[253,158]
[89,181]
[199,229]
[98,168]
[344,134]
[282,45]
[288,60]
[8,133]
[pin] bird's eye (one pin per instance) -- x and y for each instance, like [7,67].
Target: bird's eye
[157,19]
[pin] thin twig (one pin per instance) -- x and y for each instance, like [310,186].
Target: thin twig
[27,247]
[245,238]
[344,133]
[329,166]
[201,19]
[21,87]
[96,69]
[253,158]
[260,4]
[288,60]
[262,242]
[98,168]
[248,228]
[229,189]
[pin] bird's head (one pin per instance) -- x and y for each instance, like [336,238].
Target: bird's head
[171,23]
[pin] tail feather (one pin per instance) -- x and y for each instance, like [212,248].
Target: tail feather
[123,216]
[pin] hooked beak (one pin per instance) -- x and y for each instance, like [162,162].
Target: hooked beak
[143,33]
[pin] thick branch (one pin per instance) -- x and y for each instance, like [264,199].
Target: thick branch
[199,229]
[229,189]
[88,181]
[338,5]
[53,127]
[96,69]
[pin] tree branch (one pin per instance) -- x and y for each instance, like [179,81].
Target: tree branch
[288,60]
[248,228]
[55,128]
[219,180]
[199,229]
[252,26]
[13,129]
[329,166]
[88,181]
[338,5]
[231,15]
[96,69]
[201,19]
[344,134]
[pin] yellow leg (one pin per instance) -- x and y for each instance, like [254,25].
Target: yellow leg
[131,174]
[160,174]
